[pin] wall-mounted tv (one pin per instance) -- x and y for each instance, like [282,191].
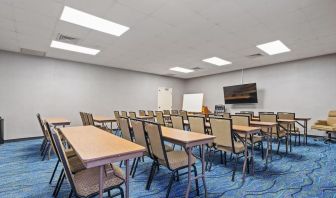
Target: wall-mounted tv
[245,93]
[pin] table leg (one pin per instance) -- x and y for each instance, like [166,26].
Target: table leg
[127,179]
[203,170]
[290,137]
[189,172]
[252,154]
[269,145]
[245,157]
[101,184]
[306,131]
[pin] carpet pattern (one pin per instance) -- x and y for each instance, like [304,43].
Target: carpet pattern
[308,171]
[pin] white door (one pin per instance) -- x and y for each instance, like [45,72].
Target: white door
[165,98]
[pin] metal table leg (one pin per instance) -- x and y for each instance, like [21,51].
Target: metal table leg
[101,186]
[245,157]
[127,179]
[203,170]
[189,172]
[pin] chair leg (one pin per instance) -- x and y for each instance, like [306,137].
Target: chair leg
[221,153]
[262,150]
[46,150]
[133,164]
[177,176]
[71,192]
[196,180]
[121,192]
[53,174]
[234,167]
[170,183]
[200,151]
[135,167]
[60,185]
[58,181]
[150,177]
[120,164]
[43,144]
[224,158]
[109,193]
[278,146]
[286,144]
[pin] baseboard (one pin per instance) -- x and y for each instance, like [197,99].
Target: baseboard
[23,139]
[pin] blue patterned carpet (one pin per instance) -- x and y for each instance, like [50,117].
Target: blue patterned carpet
[309,171]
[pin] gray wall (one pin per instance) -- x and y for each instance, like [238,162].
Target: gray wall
[58,88]
[306,87]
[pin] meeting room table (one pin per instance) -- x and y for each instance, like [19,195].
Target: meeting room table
[189,140]
[304,125]
[104,120]
[287,129]
[96,148]
[57,121]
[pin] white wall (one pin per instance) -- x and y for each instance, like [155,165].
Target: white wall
[306,87]
[55,88]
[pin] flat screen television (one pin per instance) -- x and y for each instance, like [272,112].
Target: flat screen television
[245,93]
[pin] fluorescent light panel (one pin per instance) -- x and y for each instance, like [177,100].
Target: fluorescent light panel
[90,21]
[74,48]
[181,69]
[217,61]
[274,47]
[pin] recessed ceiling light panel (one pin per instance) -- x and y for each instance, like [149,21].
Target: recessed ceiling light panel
[90,21]
[74,48]
[217,61]
[181,69]
[274,47]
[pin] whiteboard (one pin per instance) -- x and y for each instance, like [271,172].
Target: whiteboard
[193,102]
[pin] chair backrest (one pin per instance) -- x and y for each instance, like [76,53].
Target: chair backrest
[124,114]
[52,141]
[166,112]
[184,114]
[155,137]
[265,112]
[222,129]
[90,119]
[226,115]
[248,112]
[245,114]
[117,116]
[331,118]
[197,124]
[125,129]
[174,112]
[86,119]
[142,112]
[139,134]
[132,115]
[151,113]
[45,134]
[177,122]
[159,118]
[269,118]
[82,118]
[241,120]
[64,159]
[286,116]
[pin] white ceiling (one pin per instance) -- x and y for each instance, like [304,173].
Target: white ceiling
[175,33]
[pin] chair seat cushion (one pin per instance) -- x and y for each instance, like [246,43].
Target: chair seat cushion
[177,159]
[282,133]
[168,148]
[256,139]
[87,181]
[75,164]
[239,148]
[324,128]
[70,153]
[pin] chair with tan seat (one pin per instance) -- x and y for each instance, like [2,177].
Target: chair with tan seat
[225,141]
[166,112]
[151,113]
[184,114]
[160,118]
[244,120]
[329,125]
[177,122]
[277,132]
[197,124]
[142,113]
[85,183]
[293,128]
[132,115]
[45,146]
[125,129]
[124,114]
[82,118]
[174,112]
[117,116]
[173,161]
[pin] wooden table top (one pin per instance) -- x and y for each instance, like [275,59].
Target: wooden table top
[259,123]
[57,121]
[245,129]
[185,137]
[303,119]
[96,147]
[98,118]
[286,120]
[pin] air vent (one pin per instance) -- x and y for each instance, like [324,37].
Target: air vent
[196,68]
[255,55]
[67,39]
[32,52]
